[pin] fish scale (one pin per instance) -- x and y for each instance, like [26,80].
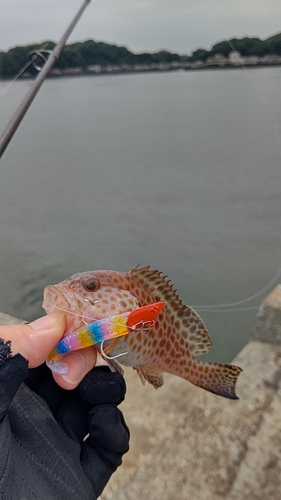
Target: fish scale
[171,346]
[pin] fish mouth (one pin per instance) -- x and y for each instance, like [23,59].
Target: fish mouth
[55,299]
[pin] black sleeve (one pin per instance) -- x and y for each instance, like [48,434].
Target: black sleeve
[44,453]
[108,433]
[93,412]
[13,371]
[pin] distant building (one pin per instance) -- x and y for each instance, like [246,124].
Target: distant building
[271,59]
[252,60]
[235,58]
[73,71]
[217,60]
[197,64]
[95,68]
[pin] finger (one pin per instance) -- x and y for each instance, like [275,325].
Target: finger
[79,364]
[36,340]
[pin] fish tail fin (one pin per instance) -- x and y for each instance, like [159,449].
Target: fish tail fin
[218,378]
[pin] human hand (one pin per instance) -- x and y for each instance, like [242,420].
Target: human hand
[56,443]
[35,340]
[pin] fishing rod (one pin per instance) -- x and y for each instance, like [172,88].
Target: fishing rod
[53,57]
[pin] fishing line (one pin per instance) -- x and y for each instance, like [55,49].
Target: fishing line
[82,316]
[220,307]
[270,113]
[139,326]
[15,79]
[214,308]
[32,58]
[234,310]
[197,308]
[266,106]
[232,306]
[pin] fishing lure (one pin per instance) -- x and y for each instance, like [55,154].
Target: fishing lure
[105,329]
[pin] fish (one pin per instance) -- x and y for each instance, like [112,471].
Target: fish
[171,346]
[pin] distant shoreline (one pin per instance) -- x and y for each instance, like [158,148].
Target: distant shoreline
[121,71]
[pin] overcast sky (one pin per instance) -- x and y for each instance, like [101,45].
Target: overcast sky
[141,25]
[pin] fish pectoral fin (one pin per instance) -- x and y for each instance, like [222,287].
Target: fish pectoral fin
[154,378]
[194,331]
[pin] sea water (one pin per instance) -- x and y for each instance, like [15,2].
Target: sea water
[180,171]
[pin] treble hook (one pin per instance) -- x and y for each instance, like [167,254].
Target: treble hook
[110,358]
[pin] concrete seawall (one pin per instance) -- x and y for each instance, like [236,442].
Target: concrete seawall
[189,444]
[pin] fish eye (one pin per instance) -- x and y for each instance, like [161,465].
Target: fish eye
[91,285]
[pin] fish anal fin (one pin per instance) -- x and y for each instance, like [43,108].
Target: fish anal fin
[154,378]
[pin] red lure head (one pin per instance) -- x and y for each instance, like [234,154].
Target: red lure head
[145,315]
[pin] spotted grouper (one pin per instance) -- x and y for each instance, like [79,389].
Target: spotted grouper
[170,346]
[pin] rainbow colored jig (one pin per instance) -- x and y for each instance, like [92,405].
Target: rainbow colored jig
[104,329]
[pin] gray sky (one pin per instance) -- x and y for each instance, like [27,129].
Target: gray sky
[141,25]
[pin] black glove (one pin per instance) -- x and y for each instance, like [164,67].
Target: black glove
[44,453]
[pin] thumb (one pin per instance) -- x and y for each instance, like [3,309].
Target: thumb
[36,340]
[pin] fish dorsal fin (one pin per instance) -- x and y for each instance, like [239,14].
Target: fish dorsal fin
[187,320]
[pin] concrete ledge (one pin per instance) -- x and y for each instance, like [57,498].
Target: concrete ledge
[189,444]
[268,325]
[6,319]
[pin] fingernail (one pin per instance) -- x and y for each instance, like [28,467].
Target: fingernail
[47,322]
[76,368]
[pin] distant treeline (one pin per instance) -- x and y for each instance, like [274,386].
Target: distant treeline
[82,55]
[246,46]
[89,53]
